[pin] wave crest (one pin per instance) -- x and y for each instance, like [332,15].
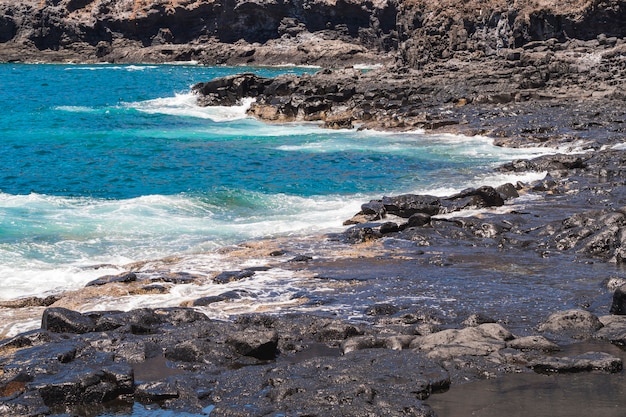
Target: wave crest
[185,105]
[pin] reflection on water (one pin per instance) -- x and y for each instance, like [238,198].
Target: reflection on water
[537,395]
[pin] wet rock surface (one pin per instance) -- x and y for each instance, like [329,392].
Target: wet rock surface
[181,360]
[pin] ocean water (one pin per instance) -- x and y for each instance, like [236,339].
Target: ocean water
[113,164]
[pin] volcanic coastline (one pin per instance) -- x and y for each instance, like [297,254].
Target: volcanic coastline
[537,74]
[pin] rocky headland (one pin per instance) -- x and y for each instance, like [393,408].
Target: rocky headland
[527,73]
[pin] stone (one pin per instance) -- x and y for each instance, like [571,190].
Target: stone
[62,320]
[590,361]
[418,220]
[476,319]
[409,204]
[124,278]
[618,304]
[382,310]
[533,343]
[578,323]
[507,191]
[389,227]
[481,340]
[231,276]
[257,344]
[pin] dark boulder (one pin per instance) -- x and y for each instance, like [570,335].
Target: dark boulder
[376,208]
[300,258]
[231,276]
[228,91]
[618,306]
[407,205]
[389,227]
[124,278]
[418,220]
[507,191]
[205,301]
[473,198]
[62,320]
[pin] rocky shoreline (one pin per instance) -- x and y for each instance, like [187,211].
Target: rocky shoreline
[527,76]
[391,362]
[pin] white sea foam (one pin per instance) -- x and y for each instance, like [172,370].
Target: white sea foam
[55,240]
[108,67]
[99,67]
[186,105]
[442,145]
[182,63]
[75,109]
[367,67]
[139,67]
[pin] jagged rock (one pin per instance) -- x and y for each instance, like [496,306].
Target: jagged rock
[205,301]
[376,208]
[376,342]
[228,91]
[409,204]
[473,198]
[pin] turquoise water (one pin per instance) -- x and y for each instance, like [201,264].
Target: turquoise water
[114,164]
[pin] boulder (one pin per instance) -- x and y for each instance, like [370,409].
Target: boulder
[481,197]
[259,344]
[124,278]
[481,340]
[228,91]
[575,323]
[407,205]
[533,343]
[231,276]
[62,320]
[590,361]
[618,305]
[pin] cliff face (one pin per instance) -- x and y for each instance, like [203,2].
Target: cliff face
[325,32]
[216,31]
[446,28]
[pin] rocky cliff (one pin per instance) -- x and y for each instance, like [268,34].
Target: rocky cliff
[323,32]
[211,31]
[471,29]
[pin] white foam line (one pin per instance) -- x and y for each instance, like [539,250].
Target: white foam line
[185,105]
